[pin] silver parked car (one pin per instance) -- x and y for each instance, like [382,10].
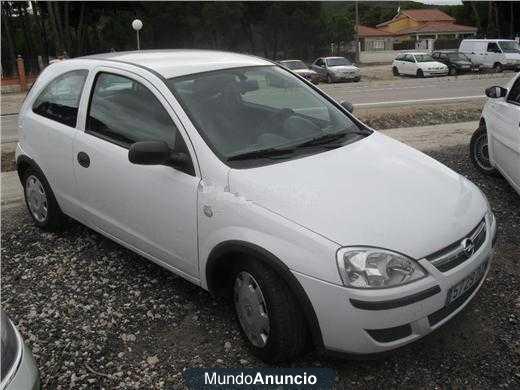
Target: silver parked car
[332,69]
[299,67]
[18,369]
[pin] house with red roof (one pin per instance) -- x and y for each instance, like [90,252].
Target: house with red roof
[420,26]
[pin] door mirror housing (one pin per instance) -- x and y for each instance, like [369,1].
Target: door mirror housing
[347,106]
[149,153]
[496,92]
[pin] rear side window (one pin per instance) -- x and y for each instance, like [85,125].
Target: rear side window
[124,111]
[59,100]
[514,94]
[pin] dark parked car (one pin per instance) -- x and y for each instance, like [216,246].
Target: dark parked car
[456,62]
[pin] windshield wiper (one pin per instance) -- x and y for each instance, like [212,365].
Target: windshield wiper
[269,152]
[325,139]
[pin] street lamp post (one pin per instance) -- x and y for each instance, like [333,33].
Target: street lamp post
[137,25]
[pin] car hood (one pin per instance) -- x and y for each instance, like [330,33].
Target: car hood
[376,192]
[304,71]
[512,56]
[343,68]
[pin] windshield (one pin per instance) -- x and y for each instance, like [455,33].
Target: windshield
[457,57]
[294,64]
[423,58]
[338,61]
[509,46]
[243,110]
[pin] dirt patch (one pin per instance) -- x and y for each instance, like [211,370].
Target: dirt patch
[394,117]
[8,161]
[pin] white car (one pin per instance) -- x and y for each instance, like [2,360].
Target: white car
[419,65]
[495,145]
[333,69]
[250,182]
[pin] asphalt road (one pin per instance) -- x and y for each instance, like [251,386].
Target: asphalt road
[405,91]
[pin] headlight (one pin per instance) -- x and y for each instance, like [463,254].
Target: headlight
[11,348]
[366,267]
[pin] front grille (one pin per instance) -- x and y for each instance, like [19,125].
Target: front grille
[439,315]
[456,254]
[387,335]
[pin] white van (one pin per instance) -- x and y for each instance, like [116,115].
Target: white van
[492,53]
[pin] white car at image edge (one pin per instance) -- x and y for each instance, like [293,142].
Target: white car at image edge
[495,145]
[250,182]
[419,65]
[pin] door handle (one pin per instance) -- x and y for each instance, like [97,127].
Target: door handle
[83,159]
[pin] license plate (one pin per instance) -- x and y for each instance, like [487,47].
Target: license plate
[465,284]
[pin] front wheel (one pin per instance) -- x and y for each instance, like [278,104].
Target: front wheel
[330,80]
[479,151]
[453,71]
[420,73]
[498,67]
[268,313]
[395,71]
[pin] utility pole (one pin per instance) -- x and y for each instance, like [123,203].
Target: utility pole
[357,33]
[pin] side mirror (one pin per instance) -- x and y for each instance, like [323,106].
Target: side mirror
[496,92]
[347,106]
[149,153]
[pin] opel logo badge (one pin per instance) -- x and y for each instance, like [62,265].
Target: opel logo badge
[468,247]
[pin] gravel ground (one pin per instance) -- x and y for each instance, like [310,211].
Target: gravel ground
[98,316]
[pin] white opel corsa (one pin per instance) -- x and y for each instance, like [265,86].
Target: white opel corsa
[252,183]
[495,145]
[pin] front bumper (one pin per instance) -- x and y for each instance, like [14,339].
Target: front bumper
[435,72]
[409,312]
[347,76]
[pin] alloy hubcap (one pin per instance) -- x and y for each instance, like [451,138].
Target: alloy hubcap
[482,153]
[36,198]
[251,309]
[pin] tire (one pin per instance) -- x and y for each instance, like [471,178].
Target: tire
[420,73]
[40,201]
[478,148]
[498,67]
[395,71]
[357,79]
[330,80]
[284,337]
[453,72]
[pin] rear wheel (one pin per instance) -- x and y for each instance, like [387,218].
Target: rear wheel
[453,71]
[395,71]
[41,202]
[268,313]
[498,67]
[420,73]
[479,151]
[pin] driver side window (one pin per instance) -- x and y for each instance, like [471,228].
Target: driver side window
[319,62]
[493,47]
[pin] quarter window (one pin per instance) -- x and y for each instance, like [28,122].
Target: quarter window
[59,101]
[124,111]
[493,47]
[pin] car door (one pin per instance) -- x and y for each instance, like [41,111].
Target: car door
[149,208]
[319,67]
[49,127]
[505,133]
[493,54]
[409,65]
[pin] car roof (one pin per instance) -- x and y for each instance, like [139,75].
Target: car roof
[328,58]
[290,60]
[181,62]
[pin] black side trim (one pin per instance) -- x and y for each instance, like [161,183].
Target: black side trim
[234,246]
[441,314]
[390,334]
[393,303]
